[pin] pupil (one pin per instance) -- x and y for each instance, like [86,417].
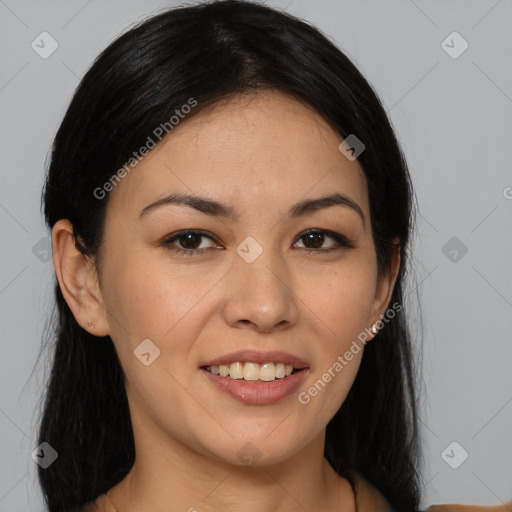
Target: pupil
[315,236]
[191,236]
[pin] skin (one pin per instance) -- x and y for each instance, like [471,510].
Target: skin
[259,154]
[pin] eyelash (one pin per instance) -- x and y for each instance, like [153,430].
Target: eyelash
[340,239]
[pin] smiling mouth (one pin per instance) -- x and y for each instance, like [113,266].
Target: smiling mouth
[253,372]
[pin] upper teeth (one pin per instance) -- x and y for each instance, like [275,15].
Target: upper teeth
[252,371]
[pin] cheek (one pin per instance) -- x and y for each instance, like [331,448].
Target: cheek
[343,299]
[342,304]
[149,298]
[144,305]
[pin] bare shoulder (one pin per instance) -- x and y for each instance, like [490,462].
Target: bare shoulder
[367,496]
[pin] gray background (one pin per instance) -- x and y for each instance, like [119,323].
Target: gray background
[453,117]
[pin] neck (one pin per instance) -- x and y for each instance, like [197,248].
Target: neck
[168,476]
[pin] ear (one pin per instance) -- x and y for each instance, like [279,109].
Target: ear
[385,285]
[78,280]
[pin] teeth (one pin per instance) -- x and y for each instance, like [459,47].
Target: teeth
[252,371]
[236,370]
[280,371]
[268,372]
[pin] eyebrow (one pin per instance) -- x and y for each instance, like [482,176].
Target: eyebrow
[216,209]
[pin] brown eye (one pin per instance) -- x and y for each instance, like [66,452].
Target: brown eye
[314,240]
[189,240]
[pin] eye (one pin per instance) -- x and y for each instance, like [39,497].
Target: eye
[316,237]
[191,239]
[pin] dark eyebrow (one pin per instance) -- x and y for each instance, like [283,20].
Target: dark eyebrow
[216,209]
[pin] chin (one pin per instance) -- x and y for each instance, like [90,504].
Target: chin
[260,449]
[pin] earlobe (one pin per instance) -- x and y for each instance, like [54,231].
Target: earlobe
[385,286]
[78,280]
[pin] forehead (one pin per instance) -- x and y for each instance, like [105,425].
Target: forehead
[254,150]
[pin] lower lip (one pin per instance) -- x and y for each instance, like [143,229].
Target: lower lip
[257,393]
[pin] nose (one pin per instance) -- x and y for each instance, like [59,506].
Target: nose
[259,294]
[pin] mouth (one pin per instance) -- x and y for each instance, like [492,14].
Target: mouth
[253,372]
[253,366]
[256,378]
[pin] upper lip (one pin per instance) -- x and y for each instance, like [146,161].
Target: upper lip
[252,356]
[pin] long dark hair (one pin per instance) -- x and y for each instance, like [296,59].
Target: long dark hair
[210,52]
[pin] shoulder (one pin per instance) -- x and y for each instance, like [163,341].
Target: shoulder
[369,498]
[506,507]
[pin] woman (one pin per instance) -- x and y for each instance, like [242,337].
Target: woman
[230,215]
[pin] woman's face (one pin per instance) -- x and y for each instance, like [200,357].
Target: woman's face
[249,285]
